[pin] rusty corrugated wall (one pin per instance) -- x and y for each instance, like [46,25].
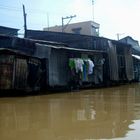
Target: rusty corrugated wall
[20,73]
[6,71]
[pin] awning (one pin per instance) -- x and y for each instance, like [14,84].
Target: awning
[136,56]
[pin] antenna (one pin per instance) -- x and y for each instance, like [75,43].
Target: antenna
[48,21]
[93,9]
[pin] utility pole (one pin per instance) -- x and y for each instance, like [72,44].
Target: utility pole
[48,20]
[25,22]
[93,9]
[118,35]
[63,18]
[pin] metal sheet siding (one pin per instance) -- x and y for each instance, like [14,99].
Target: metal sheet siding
[6,71]
[21,72]
[58,68]
[113,62]
[129,64]
[98,70]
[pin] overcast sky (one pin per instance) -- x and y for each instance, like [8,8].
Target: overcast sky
[114,16]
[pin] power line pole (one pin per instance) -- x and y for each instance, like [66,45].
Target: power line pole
[48,20]
[63,18]
[118,35]
[25,22]
[93,9]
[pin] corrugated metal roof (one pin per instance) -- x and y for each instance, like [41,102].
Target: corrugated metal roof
[9,28]
[13,51]
[4,36]
[71,49]
[43,41]
[17,52]
[32,40]
[136,56]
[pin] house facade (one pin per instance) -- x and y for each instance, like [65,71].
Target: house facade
[84,28]
[55,57]
[135,55]
[133,43]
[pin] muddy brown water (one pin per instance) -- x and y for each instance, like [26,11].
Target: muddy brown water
[98,114]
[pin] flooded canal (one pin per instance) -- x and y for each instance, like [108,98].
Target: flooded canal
[107,113]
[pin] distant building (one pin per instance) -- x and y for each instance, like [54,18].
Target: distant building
[84,28]
[8,31]
[133,43]
[135,55]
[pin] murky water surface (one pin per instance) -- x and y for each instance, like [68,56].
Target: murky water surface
[109,113]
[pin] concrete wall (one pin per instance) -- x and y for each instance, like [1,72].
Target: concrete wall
[84,28]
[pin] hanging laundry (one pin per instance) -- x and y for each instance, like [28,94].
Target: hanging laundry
[85,71]
[91,66]
[71,63]
[79,65]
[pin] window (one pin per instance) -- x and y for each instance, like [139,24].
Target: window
[76,30]
[95,30]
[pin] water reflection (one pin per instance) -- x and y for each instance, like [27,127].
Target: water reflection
[86,115]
